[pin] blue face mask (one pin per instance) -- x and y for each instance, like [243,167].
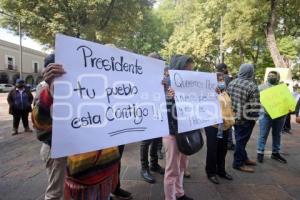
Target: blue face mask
[221,85]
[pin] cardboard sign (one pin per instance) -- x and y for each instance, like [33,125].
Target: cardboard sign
[196,99]
[278,101]
[108,97]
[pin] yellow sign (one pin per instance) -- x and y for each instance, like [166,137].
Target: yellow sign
[277,101]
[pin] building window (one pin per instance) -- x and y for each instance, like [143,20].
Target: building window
[10,62]
[35,67]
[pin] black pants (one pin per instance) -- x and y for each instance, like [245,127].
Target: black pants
[121,150]
[18,117]
[160,145]
[144,152]
[216,151]
[287,124]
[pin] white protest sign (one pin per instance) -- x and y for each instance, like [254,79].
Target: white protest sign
[108,97]
[196,100]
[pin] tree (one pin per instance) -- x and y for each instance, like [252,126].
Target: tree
[96,20]
[270,35]
[148,36]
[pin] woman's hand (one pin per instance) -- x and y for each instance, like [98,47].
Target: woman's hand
[170,92]
[218,91]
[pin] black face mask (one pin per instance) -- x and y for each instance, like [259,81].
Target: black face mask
[20,86]
[273,81]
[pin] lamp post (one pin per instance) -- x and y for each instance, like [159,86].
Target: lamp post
[20,42]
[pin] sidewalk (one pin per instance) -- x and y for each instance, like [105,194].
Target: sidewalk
[23,177]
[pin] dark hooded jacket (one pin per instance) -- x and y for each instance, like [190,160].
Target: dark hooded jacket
[244,94]
[177,62]
[19,102]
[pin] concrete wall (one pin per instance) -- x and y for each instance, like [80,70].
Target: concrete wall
[29,57]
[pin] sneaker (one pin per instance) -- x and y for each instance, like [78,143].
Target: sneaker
[260,157]
[278,157]
[184,197]
[121,194]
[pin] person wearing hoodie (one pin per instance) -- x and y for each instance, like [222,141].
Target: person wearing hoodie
[244,94]
[176,162]
[266,123]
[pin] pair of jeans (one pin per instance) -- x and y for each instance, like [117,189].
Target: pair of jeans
[18,117]
[243,132]
[144,152]
[266,123]
[216,151]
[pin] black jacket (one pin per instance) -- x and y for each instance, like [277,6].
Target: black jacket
[178,62]
[11,101]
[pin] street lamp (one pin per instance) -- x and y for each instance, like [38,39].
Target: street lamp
[20,35]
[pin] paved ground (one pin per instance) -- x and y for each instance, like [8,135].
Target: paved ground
[22,175]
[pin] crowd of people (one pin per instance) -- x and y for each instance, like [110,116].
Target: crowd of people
[75,178]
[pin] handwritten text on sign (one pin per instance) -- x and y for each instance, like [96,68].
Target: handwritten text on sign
[107,97]
[196,99]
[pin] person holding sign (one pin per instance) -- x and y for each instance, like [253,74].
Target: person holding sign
[217,137]
[93,175]
[176,162]
[42,123]
[244,94]
[144,150]
[266,123]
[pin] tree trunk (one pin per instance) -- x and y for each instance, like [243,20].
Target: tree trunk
[271,40]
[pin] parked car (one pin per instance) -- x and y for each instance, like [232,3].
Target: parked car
[5,87]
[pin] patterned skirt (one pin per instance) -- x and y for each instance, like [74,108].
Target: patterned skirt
[96,186]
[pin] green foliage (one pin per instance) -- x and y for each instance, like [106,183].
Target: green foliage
[244,38]
[191,27]
[148,36]
[96,20]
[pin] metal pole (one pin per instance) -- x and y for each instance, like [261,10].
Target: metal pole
[21,56]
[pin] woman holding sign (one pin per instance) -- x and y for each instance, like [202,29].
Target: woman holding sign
[87,176]
[217,137]
[176,162]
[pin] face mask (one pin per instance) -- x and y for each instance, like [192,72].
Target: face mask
[273,81]
[221,85]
